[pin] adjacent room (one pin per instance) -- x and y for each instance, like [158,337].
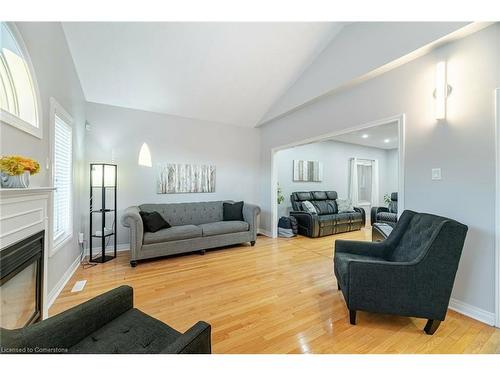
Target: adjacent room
[250,187]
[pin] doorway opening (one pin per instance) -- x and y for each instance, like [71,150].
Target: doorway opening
[363,164]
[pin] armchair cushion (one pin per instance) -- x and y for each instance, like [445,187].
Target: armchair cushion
[132,332]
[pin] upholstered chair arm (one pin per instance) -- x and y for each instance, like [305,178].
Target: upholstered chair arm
[250,214]
[60,332]
[392,287]
[196,340]
[132,219]
[377,249]
[374,212]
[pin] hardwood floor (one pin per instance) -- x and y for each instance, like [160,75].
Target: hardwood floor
[279,296]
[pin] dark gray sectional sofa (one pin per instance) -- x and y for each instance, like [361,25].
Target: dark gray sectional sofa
[195,226]
[328,220]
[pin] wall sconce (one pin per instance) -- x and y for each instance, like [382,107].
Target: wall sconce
[442,91]
[145,156]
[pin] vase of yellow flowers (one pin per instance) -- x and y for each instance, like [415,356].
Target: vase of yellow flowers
[15,171]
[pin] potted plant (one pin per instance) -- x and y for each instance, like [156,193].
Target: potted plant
[280,195]
[15,171]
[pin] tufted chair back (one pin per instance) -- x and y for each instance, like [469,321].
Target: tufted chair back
[416,234]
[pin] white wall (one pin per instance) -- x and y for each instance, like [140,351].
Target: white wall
[233,150]
[363,47]
[56,78]
[335,158]
[463,145]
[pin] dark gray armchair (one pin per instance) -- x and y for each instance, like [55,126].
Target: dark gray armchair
[387,215]
[411,273]
[106,324]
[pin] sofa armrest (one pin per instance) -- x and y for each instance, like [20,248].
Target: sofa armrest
[71,326]
[308,223]
[196,340]
[250,213]
[362,212]
[374,211]
[132,219]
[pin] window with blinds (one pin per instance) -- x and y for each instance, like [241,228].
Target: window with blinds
[62,179]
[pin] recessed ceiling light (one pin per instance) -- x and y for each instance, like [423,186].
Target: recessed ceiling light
[364,136]
[387,140]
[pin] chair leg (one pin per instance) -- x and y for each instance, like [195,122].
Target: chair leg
[202,252]
[338,286]
[352,317]
[431,326]
[133,263]
[252,243]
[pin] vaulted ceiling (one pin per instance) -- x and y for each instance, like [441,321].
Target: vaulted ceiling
[228,73]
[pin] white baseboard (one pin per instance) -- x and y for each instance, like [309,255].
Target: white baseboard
[110,248]
[264,232]
[472,311]
[54,293]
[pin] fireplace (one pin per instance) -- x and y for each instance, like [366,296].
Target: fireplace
[21,278]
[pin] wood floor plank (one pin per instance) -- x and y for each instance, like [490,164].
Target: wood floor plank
[279,296]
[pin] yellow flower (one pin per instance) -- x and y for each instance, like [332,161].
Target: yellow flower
[16,165]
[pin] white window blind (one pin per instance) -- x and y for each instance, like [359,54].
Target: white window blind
[62,179]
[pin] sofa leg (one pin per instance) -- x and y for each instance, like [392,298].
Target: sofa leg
[252,243]
[431,326]
[202,252]
[133,263]
[352,317]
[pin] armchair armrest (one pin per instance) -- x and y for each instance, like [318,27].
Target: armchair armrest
[250,213]
[378,249]
[196,340]
[308,223]
[71,326]
[388,287]
[132,219]
[374,211]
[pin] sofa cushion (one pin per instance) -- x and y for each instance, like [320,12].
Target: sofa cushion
[327,220]
[319,195]
[180,232]
[153,221]
[324,207]
[223,227]
[132,332]
[309,207]
[331,194]
[303,196]
[344,205]
[232,211]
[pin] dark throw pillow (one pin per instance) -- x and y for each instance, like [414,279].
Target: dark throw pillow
[232,211]
[153,221]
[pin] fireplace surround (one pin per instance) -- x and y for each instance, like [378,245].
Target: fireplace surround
[21,278]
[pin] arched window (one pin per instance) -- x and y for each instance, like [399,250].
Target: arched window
[18,90]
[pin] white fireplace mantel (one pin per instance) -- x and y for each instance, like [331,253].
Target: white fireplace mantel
[24,212]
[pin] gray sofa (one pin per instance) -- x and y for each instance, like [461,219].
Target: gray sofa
[196,226]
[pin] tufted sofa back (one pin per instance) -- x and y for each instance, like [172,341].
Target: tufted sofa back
[187,213]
